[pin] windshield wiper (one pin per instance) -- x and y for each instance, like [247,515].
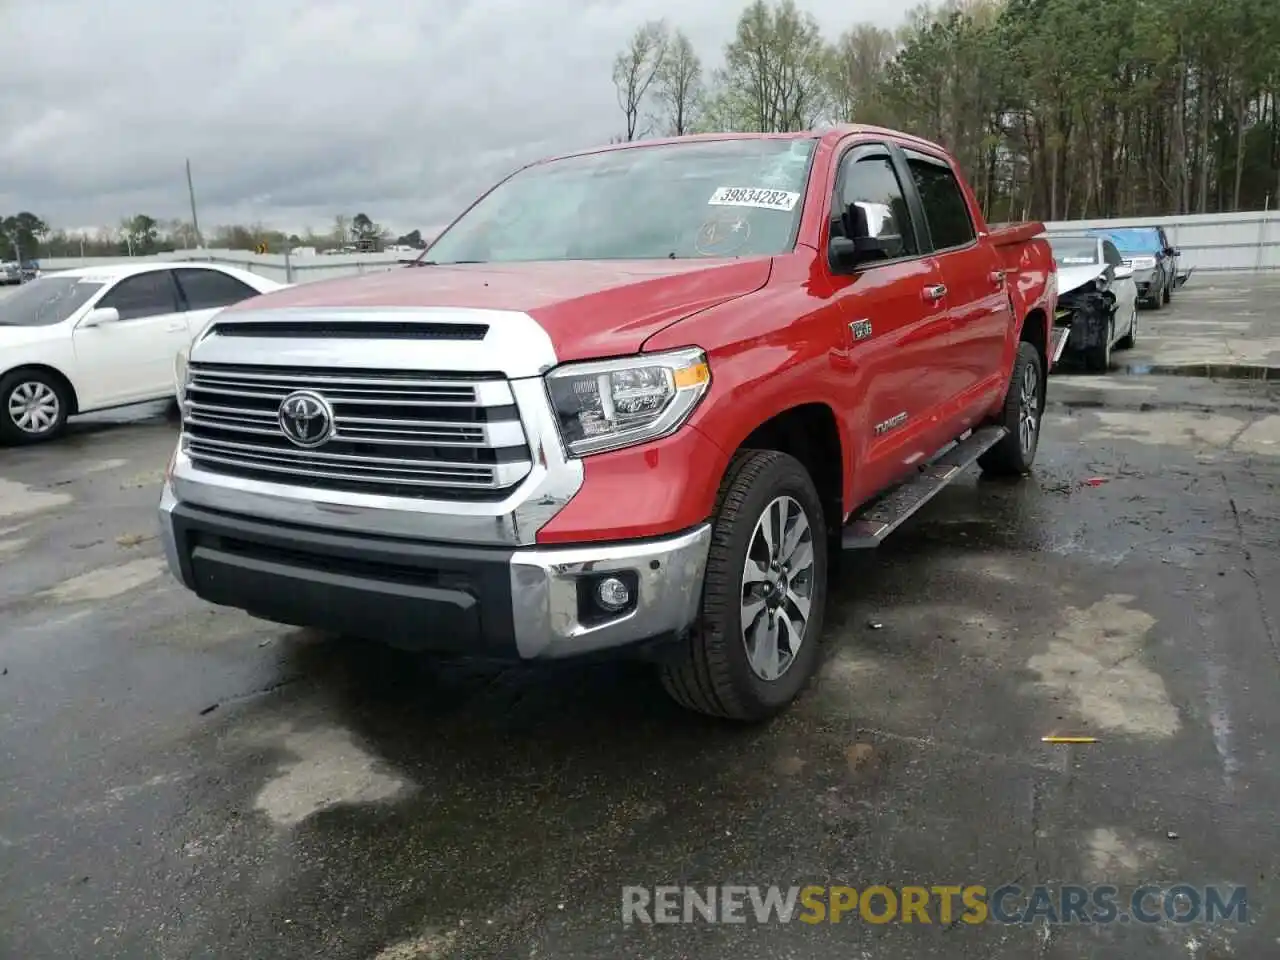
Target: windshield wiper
[437,263]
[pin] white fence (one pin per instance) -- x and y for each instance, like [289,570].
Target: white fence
[279,267]
[1215,242]
[1210,242]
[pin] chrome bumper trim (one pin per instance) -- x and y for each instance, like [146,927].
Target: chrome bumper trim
[544,593]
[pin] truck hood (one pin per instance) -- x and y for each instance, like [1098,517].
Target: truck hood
[588,308]
[1073,278]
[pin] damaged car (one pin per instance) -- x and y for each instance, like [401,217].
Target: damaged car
[1097,301]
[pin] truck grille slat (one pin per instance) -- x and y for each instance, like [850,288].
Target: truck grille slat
[404,433]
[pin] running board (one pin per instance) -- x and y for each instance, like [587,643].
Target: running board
[885,514]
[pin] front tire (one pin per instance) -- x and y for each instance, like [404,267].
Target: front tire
[755,645]
[33,406]
[1167,297]
[1020,416]
[1098,357]
[1128,341]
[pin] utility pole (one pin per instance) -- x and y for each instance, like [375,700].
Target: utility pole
[191,192]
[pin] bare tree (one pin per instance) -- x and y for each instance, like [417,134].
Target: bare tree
[855,72]
[636,68]
[679,85]
[775,64]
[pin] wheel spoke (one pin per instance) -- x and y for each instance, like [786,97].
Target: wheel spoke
[800,604]
[753,572]
[802,559]
[764,651]
[794,535]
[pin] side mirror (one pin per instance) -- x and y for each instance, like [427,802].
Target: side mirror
[1172,252]
[100,315]
[1123,273]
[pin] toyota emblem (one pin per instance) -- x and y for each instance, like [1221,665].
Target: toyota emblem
[306,418]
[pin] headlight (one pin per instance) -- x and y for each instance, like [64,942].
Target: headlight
[181,374]
[609,404]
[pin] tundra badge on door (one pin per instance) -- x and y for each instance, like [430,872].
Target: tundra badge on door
[897,420]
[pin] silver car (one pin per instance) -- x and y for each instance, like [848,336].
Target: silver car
[10,272]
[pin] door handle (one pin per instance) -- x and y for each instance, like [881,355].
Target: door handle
[177,327]
[936,292]
[997,277]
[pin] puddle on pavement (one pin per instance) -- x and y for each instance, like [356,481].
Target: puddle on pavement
[1211,371]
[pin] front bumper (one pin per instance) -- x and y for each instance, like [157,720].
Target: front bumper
[523,603]
[1147,282]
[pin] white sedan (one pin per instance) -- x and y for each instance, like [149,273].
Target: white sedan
[89,339]
[1097,299]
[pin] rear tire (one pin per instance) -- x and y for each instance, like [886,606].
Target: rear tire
[724,670]
[1021,415]
[33,406]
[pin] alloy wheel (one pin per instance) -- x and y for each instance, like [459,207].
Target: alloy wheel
[777,588]
[1029,408]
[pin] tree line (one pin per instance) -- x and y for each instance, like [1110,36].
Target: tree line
[1055,109]
[27,236]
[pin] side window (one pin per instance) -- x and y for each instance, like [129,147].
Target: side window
[1110,254]
[944,204]
[871,183]
[208,289]
[143,295]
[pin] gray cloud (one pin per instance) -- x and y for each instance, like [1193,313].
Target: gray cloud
[294,111]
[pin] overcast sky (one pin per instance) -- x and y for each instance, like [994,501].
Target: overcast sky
[292,111]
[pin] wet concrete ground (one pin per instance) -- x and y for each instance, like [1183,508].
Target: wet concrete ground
[181,781]
[1215,319]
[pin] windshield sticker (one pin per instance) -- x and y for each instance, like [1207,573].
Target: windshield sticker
[784,200]
[722,237]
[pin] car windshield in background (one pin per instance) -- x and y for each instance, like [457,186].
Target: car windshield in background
[720,198]
[1074,253]
[46,301]
[1135,239]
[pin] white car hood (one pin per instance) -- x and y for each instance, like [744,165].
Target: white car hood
[1072,278]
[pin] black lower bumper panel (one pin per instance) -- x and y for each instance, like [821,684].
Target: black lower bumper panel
[421,596]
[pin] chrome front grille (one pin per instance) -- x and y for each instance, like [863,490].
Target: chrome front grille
[397,433]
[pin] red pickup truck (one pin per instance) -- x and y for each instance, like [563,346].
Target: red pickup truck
[629,402]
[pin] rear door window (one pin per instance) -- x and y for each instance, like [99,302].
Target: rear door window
[945,208]
[206,289]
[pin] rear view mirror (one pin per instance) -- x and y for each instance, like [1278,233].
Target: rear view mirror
[1124,273]
[100,315]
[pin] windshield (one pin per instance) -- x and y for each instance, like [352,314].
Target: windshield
[1135,239]
[723,198]
[46,301]
[1074,252]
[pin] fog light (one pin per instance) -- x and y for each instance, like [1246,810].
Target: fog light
[612,594]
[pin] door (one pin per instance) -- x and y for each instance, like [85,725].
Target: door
[978,304]
[895,322]
[132,359]
[1125,291]
[205,291]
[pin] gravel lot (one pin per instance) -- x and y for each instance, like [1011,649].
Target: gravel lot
[184,781]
